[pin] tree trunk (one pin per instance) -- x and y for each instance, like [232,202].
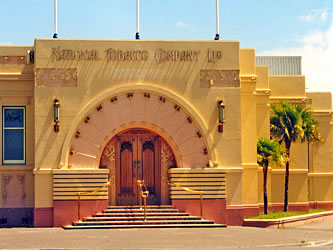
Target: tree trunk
[286,181]
[265,168]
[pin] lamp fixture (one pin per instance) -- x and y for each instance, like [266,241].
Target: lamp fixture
[56,111]
[220,107]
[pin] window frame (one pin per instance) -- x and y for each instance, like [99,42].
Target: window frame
[14,162]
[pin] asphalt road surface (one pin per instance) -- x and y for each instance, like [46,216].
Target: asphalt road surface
[315,235]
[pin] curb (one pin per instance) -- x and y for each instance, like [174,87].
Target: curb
[288,221]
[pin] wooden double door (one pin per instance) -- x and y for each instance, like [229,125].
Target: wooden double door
[138,157]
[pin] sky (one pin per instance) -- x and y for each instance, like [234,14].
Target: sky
[273,27]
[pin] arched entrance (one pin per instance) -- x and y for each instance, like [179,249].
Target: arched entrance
[111,116]
[142,106]
[138,154]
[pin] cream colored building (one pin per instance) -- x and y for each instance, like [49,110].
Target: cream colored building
[135,109]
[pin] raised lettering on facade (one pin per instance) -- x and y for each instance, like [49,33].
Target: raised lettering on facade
[160,55]
[74,54]
[126,55]
[214,55]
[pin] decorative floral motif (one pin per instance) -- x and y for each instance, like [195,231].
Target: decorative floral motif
[219,78]
[12,60]
[108,155]
[7,179]
[21,178]
[167,156]
[60,77]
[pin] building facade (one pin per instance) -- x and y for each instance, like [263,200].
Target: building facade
[77,113]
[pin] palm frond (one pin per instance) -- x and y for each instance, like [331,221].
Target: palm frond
[291,123]
[270,151]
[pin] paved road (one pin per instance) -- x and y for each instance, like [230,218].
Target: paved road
[325,228]
[311,235]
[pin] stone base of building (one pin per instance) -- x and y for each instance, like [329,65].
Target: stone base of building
[251,210]
[296,207]
[43,217]
[212,209]
[16,217]
[254,210]
[65,212]
[261,208]
[326,205]
[235,215]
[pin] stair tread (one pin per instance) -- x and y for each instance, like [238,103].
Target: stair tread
[134,206]
[145,222]
[140,217]
[144,226]
[138,209]
[139,214]
[132,217]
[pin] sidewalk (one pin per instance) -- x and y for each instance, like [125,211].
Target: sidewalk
[230,237]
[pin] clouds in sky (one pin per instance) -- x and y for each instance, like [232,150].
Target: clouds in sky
[314,16]
[184,25]
[5,43]
[316,49]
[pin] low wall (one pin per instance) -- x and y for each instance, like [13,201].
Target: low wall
[65,212]
[212,209]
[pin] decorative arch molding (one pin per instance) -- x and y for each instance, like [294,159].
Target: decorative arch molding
[127,92]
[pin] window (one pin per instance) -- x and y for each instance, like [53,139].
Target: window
[13,135]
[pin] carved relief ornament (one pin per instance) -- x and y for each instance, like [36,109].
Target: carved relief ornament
[219,78]
[12,60]
[56,77]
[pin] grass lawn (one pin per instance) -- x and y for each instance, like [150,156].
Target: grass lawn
[278,215]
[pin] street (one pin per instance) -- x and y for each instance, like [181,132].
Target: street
[309,235]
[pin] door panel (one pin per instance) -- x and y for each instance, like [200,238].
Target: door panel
[126,148]
[151,167]
[148,159]
[126,168]
[137,158]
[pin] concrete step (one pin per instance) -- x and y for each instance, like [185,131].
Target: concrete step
[149,222]
[132,217]
[140,218]
[137,207]
[138,210]
[146,226]
[126,214]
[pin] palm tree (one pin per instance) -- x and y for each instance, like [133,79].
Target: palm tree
[291,123]
[310,127]
[268,151]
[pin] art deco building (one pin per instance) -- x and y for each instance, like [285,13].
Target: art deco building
[76,113]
